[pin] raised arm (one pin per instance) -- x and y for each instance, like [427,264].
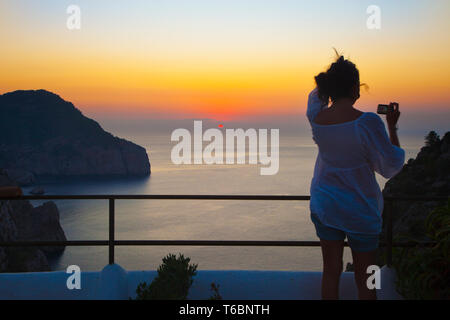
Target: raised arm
[385,157]
[315,105]
[392,119]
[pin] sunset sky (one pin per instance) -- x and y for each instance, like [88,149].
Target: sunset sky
[222,59]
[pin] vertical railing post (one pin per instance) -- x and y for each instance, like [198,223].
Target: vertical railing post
[388,212]
[111,231]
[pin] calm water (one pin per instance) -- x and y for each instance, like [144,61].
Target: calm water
[198,220]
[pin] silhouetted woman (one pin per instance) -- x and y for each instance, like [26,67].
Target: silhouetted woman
[346,200]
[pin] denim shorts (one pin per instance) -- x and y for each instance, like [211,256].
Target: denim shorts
[359,242]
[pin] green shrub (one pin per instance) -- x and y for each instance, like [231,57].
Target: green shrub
[172,282]
[424,272]
[431,139]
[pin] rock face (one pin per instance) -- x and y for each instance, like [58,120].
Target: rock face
[42,134]
[19,220]
[427,175]
[38,223]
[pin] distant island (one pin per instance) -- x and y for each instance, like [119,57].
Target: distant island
[43,135]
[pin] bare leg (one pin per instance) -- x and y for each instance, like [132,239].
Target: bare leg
[332,251]
[361,260]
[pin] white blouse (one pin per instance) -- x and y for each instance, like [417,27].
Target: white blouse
[344,192]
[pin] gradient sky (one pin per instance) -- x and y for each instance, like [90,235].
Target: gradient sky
[222,59]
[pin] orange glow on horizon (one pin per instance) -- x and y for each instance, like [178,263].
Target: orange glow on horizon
[226,73]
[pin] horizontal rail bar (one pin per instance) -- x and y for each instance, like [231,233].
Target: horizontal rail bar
[159,196]
[111,243]
[187,243]
[201,197]
[40,243]
[278,243]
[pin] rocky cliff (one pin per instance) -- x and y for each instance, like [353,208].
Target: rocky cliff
[427,175]
[19,220]
[42,134]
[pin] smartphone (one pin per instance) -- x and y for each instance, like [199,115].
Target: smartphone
[384,108]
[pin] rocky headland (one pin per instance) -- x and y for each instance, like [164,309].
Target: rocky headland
[20,221]
[426,175]
[43,135]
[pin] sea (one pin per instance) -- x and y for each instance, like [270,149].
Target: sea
[198,219]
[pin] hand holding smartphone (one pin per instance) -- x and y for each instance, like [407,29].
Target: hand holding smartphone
[391,111]
[392,115]
[385,108]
